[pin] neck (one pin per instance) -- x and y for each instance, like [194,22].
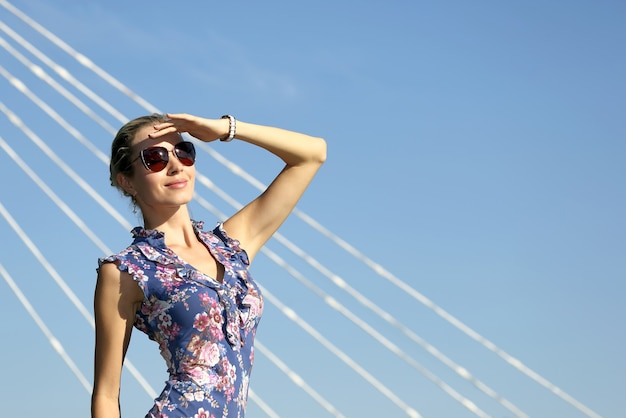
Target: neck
[175,224]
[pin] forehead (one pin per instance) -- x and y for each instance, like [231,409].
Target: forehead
[142,140]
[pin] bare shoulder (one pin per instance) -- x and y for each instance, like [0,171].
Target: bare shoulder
[115,283]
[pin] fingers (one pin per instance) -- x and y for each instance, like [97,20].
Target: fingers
[162,129]
[179,116]
[177,122]
[206,130]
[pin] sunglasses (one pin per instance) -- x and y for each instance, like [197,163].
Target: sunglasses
[155,159]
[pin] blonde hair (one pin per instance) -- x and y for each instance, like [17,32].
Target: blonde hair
[121,159]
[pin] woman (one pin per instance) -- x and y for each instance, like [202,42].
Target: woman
[187,289]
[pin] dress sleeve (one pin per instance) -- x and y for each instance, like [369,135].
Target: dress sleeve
[230,243]
[124,263]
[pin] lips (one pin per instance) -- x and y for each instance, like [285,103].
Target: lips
[177,184]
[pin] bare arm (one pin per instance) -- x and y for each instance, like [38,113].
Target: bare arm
[303,156]
[117,298]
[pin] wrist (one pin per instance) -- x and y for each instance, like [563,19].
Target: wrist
[231,128]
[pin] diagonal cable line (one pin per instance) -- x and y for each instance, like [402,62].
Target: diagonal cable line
[39,72]
[291,314]
[385,342]
[61,164]
[49,110]
[62,72]
[105,250]
[56,199]
[23,88]
[261,404]
[83,60]
[342,284]
[74,176]
[68,291]
[380,270]
[296,379]
[54,342]
[235,169]
[509,359]
[334,304]
[337,280]
[94,238]
[384,273]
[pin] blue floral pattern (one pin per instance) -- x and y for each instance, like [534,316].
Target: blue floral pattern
[205,329]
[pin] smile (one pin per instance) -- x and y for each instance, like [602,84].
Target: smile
[178,184]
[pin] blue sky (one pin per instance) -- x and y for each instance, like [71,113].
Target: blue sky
[476,152]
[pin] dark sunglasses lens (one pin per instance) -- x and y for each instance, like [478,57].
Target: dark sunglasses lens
[155,158]
[186,152]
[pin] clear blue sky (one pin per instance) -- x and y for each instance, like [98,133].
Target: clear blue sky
[476,152]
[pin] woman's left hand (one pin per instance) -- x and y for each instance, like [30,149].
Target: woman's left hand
[206,130]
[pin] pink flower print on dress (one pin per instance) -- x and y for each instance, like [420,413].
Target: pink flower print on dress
[210,354]
[188,316]
[154,308]
[201,321]
[203,414]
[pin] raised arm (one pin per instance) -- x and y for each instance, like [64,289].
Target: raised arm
[303,155]
[117,298]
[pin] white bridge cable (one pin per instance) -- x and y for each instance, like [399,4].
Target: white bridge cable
[338,281]
[105,250]
[462,372]
[448,317]
[55,116]
[83,60]
[68,291]
[76,134]
[291,314]
[73,175]
[337,306]
[376,267]
[82,226]
[54,342]
[53,196]
[63,166]
[334,304]
[380,270]
[19,85]
[331,302]
[14,119]
[39,72]
[261,404]
[63,73]
[296,379]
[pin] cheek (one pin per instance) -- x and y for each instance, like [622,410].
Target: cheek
[145,184]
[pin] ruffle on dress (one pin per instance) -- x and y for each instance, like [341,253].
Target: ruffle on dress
[226,250]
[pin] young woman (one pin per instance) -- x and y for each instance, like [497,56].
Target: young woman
[189,289]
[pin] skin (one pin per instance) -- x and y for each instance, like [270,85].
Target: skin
[163,199]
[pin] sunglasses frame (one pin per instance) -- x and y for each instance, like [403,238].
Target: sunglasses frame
[164,151]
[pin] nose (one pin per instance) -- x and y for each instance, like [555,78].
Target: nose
[174,165]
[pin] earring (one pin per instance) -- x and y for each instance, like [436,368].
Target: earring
[134,205]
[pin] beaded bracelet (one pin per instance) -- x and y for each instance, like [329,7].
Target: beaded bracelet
[232,127]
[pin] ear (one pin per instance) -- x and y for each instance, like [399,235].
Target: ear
[126,184]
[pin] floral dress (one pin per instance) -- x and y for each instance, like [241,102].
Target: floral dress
[205,329]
